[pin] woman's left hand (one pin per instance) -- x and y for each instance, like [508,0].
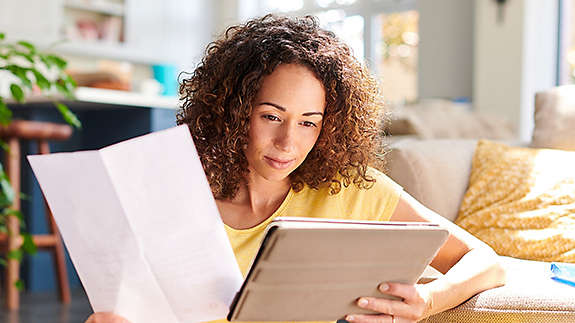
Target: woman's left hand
[416,302]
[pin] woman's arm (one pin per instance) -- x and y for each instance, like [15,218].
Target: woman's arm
[469,265]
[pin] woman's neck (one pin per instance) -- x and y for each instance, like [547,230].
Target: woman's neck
[256,200]
[261,194]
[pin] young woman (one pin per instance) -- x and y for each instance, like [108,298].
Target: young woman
[286,122]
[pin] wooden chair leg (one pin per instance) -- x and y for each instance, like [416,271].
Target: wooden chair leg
[59,260]
[58,248]
[12,165]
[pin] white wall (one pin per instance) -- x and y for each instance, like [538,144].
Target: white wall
[195,31]
[514,59]
[445,66]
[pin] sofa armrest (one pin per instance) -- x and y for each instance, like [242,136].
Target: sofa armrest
[529,296]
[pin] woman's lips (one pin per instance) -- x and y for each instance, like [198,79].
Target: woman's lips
[279,163]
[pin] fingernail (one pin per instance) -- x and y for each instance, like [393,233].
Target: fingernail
[362,302]
[349,318]
[383,287]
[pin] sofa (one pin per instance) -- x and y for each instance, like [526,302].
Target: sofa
[436,172]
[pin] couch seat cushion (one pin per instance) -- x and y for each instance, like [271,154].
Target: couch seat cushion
[529,296]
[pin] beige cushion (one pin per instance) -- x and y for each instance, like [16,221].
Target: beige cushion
[555,118]
[529,296]
[435,118]
[435,172]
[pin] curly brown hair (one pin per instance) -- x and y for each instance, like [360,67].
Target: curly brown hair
[218,97]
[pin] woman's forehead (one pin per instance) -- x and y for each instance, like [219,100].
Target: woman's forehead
[291,86]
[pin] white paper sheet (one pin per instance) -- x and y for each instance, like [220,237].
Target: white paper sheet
[142,228]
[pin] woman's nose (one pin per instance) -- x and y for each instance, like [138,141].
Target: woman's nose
[284,139]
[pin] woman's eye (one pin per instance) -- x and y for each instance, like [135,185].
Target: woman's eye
[309,124]
[271,117]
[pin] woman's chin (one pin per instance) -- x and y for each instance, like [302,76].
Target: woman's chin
[273,175]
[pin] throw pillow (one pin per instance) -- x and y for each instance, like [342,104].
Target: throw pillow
[521,201]
[555,118]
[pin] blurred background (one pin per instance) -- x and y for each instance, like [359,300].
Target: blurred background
[437,61]
[490,54]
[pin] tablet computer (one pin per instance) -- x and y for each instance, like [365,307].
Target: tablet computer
[315,269]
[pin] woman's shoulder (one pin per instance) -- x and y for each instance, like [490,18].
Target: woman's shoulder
[373,200]
[375,184]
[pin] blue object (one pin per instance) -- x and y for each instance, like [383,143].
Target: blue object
[166,74]
[563,273]
[461,99]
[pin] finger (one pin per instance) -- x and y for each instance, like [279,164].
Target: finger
[106,317]
[405,291]
[370,318]
[384,306]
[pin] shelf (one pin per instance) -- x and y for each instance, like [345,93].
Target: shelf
[108,98]
[112,9]
[116,51]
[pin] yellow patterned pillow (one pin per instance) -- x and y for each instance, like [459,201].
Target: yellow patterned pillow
[521,201]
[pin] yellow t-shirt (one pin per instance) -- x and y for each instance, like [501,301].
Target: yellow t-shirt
[351,203]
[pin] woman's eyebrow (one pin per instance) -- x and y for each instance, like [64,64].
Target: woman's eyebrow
[307,114]
[279,107]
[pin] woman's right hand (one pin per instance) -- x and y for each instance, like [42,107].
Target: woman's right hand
[105,317]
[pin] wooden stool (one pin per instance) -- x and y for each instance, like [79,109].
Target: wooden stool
[12,134]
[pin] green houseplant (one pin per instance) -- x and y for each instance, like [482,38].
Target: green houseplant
[28,70]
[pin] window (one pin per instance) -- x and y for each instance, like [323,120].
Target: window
[571,44]
[382,33]
[566,66]
[396,55]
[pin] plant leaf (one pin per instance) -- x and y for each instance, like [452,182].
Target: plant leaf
[17,92]
[2,36]
[41,80]
[12,212]
[3,262]
[45,60]
[6,191]
[26,44]
[14,254]
[4,146]
[20,72]
[69,116]
[5,114]
[18,215]
[27,56]
[19,284]
[28,244]
[71,82]
[63,88]
[56,60]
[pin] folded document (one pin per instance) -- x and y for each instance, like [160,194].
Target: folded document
[142,228]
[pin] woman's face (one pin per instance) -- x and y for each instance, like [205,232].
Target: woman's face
[286,121]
